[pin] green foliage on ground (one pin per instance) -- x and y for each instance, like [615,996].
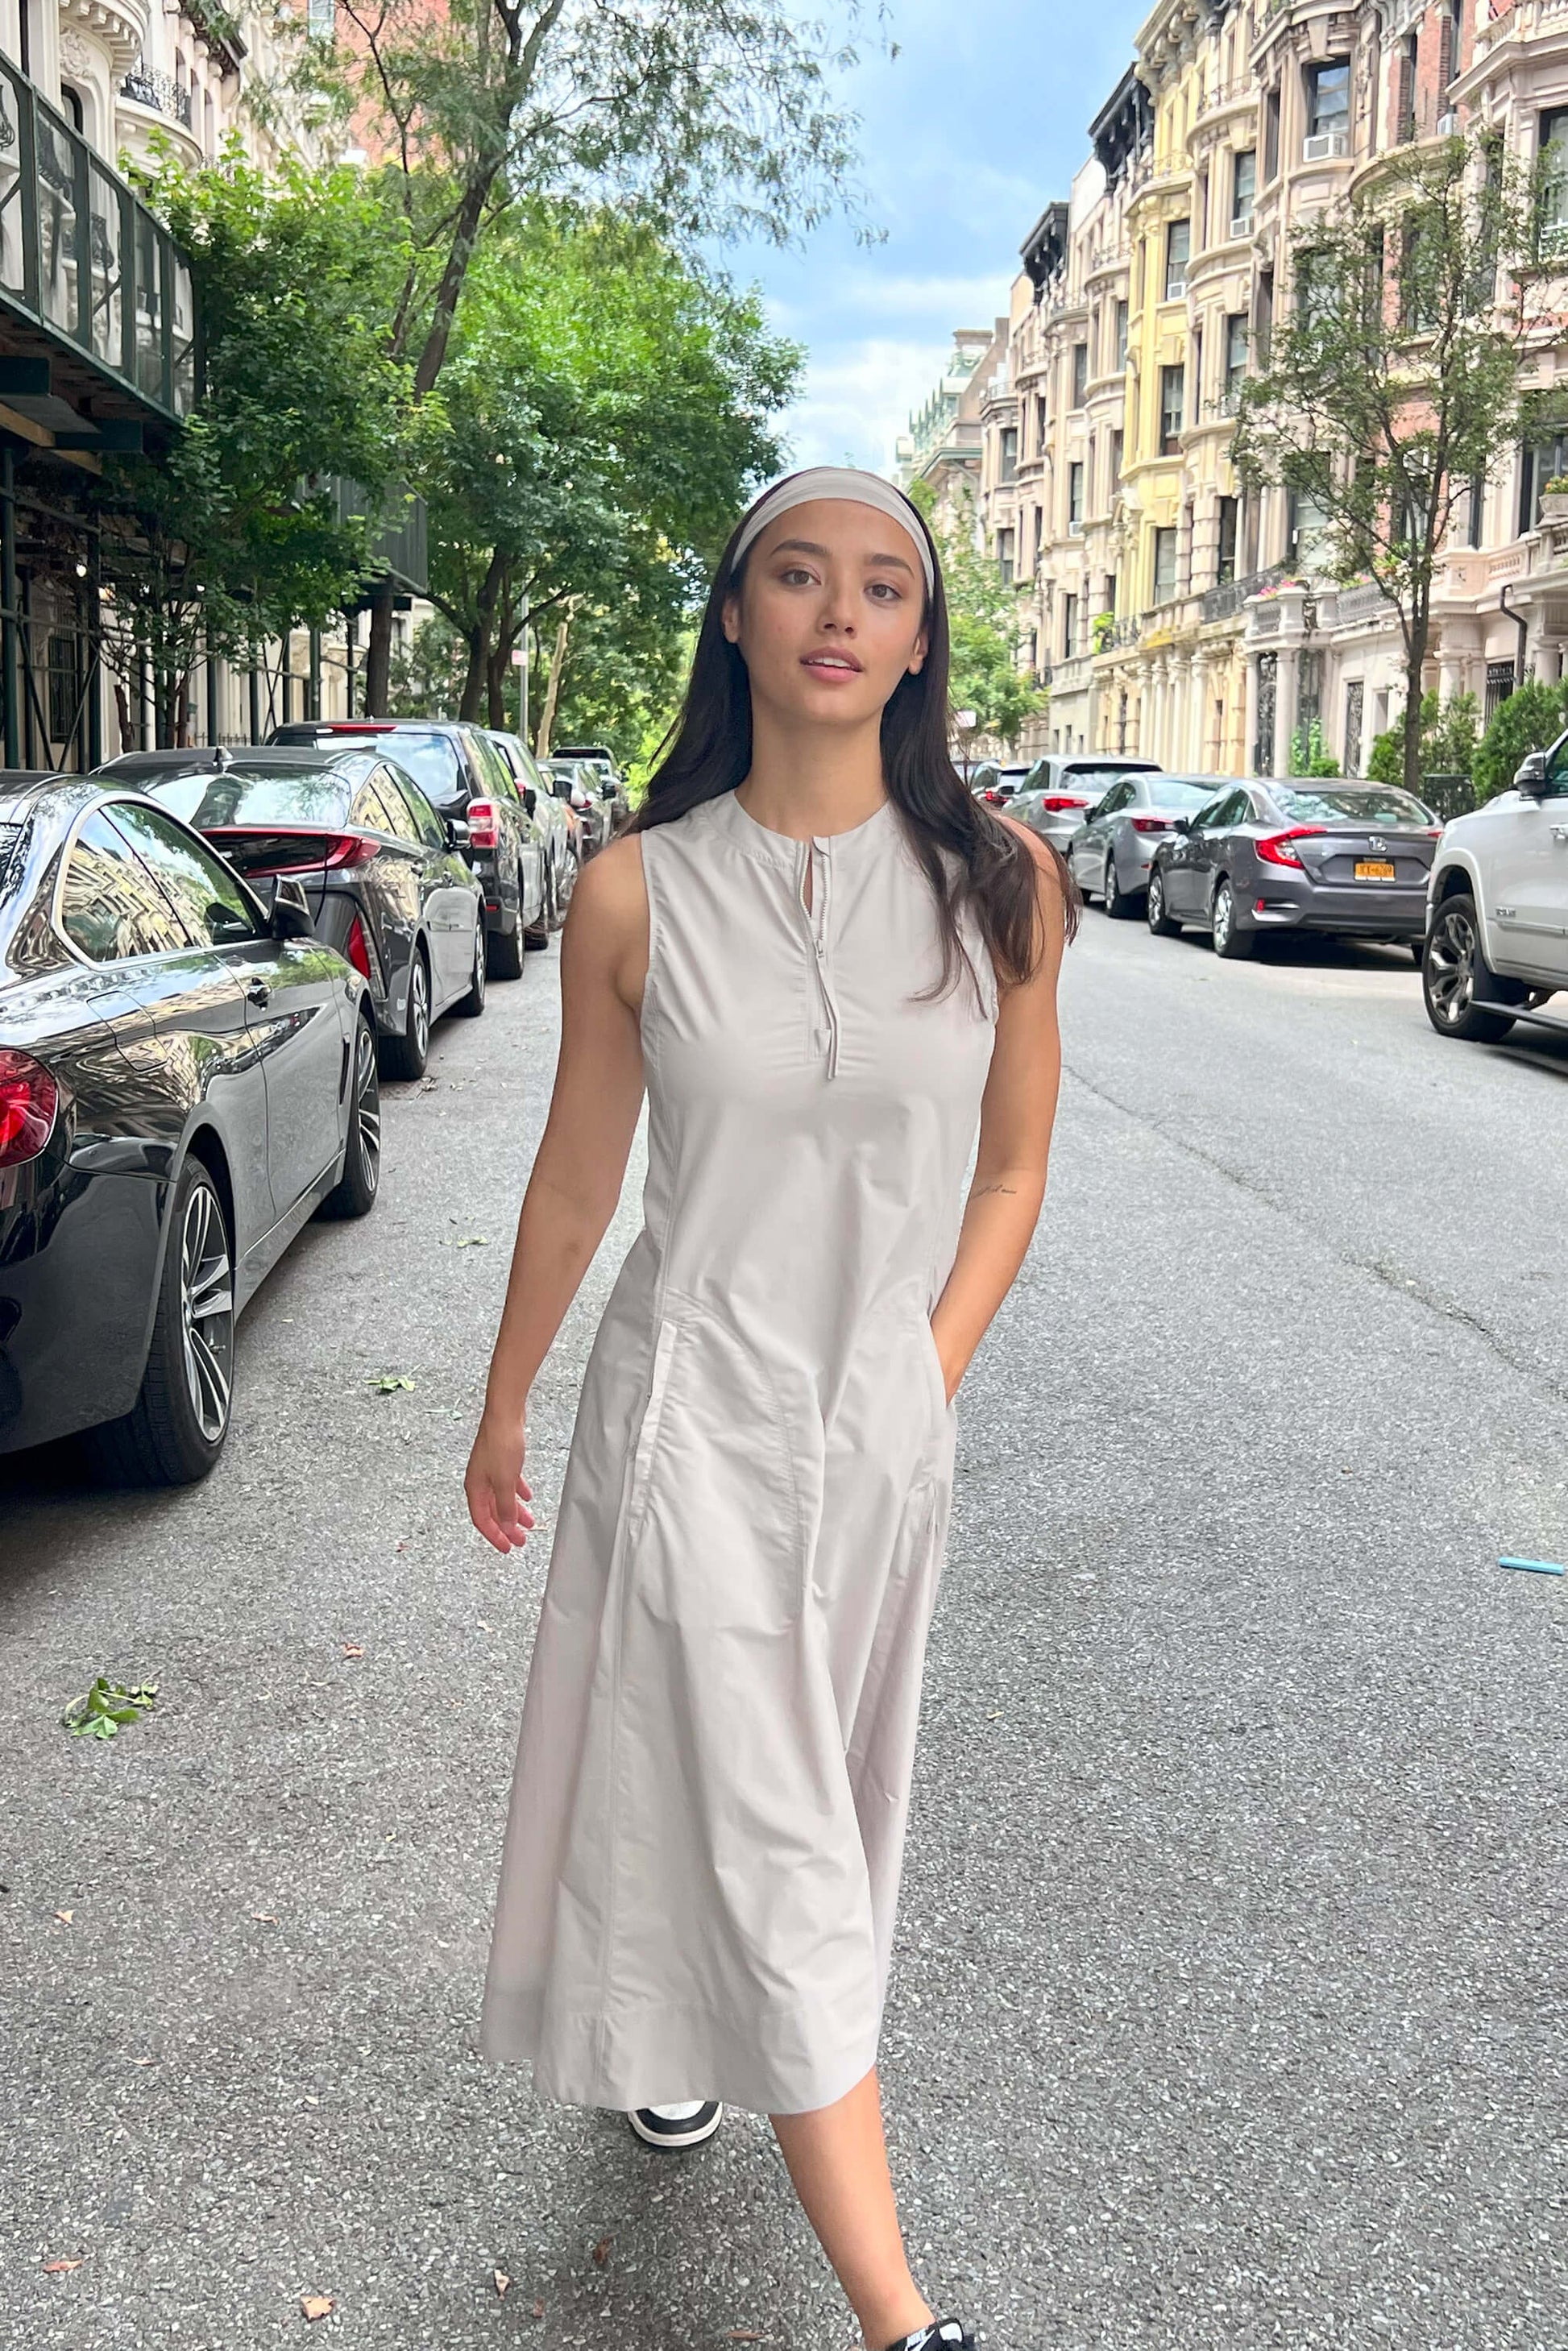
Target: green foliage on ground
[1308,754]
[1447,741]
[1532,716]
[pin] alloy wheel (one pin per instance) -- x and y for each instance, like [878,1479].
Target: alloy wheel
[1450,965]
[481,968]
[1156,908]
[207,1312]
[1224,917]
[368,1107]
[419,1007]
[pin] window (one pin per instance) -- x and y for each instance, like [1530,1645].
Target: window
[1041,422]
[1243,190]
[1039,534]
[1121,337]
[1405,91]
[1173,393]
[1263,316]
[1116,458]
[1110,603]
[1005,557]
[212,902]
[1230,537]
[434,762]
[1069,627]
[1178,246]
[1164,564]
[1008,454]
[1553,170]
[1328,103]
[110,907]
[65,687]
[1075,497]
[412,818]
[369,809]
[1272,133]
[1234,356]
[1079,373]
[1475,510]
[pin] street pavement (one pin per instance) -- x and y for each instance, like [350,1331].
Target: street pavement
[1228,2007]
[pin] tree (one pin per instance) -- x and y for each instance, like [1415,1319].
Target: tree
[1308,754]
[233,536]
[984,624]
[1392,386]
[1448,738]
[706,118]
[1530,718]
[603,419]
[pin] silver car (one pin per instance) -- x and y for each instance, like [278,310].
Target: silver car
[1289,853]
[1059,790]
[1112,849]
[551,813]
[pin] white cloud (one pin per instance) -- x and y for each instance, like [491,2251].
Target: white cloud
[857,400]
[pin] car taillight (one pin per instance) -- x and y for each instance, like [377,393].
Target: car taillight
[351,849]
[991,794]
[1057,802]
[358,948]
[483,824]
[29,1099]
[1275,848]
[286,851]
[1151,824]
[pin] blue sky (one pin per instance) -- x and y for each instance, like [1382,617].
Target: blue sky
[967,135]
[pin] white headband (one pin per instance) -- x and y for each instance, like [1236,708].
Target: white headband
[837,482]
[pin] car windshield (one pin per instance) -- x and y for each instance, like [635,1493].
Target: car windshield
[1097,774]
[1177,792]
[1378,805]
[433,761]
[238,798]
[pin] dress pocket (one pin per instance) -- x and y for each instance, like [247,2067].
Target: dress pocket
[938,1377]
[652,1412]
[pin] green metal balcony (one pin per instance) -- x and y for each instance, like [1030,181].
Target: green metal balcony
[89,279]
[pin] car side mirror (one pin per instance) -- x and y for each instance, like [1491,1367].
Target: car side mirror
[291,917]
[607,791]
[1530,776]
[1181,824]
[530,799]
[456,832]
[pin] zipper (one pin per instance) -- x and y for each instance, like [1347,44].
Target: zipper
[816,916]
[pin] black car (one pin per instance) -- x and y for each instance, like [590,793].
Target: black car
[384,877]
[1287,853]
[461,775]
[187,1076]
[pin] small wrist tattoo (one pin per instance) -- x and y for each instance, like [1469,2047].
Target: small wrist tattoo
[981,1189]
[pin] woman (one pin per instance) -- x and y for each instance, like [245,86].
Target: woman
[826,962]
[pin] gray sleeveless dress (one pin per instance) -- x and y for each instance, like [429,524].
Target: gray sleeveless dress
[704,1842]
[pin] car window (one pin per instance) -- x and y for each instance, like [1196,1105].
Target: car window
[419,820]
[1324,805]
[500,766]
[370,809]
[212,902]
[110,906]
[234,798]
[433,761]
[1174,792]
[493,775]
[1118,796]
[1208,817]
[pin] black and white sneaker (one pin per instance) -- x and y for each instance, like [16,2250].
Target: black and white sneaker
[684,2125]
[942,2334]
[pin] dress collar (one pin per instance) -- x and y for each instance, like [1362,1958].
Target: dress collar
[781,849]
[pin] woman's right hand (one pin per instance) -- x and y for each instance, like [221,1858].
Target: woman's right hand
[498,1494]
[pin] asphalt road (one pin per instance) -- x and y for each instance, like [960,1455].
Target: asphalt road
[1230,2005]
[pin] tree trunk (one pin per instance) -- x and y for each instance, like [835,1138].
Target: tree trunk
[1414,663]
[378,653]
[496,670]
[474,676]
[552,691]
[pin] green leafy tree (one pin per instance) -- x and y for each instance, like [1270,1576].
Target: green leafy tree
[984,623]
[1394,382]
[1308,754]
[603,418]
[233,535]
[1533,716]
[1448,737]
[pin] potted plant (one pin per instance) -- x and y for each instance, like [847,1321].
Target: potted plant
[1554,498]
[1102,629]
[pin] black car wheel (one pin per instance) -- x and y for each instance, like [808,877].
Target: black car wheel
[1453,968]
[472,1003]
[1229,939]
[1120,904]
[355,1193]
[174,1431]
[1163,926]
[405,1056]
[504,951]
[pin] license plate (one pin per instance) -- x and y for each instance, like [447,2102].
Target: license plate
[1374,868]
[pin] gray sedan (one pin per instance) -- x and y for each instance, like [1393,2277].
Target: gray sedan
[1112,851]
[1061,787]
[1297,855]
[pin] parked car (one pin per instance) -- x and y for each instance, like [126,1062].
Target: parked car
[1061,787]
[554,816]
[187,1076]
[601,761]
[995,783]
[1112,851]
[461,775]
[1350,859]
[1497,939]
[585,795]
[384,877]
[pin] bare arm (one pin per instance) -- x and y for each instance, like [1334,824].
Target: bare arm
[578,1173]
[1017,1113]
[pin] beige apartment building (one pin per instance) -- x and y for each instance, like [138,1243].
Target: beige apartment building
[1168,613]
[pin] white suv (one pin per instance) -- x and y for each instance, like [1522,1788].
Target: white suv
[1497,908]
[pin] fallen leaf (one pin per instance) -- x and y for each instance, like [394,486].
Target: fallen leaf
[316,2306]
[101,1711]
[539,2310]
[267,1918]
[744,2334]
[474,1240]
[353,1649]
[602,2251]
[388,1382]
[50,2268]
[502,2281]
[67,1915]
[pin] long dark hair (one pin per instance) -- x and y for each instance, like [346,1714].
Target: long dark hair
[709,752]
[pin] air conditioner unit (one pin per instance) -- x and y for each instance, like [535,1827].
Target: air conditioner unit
[1325,144]
[1175,290]
[1448,124]
[1241,225]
